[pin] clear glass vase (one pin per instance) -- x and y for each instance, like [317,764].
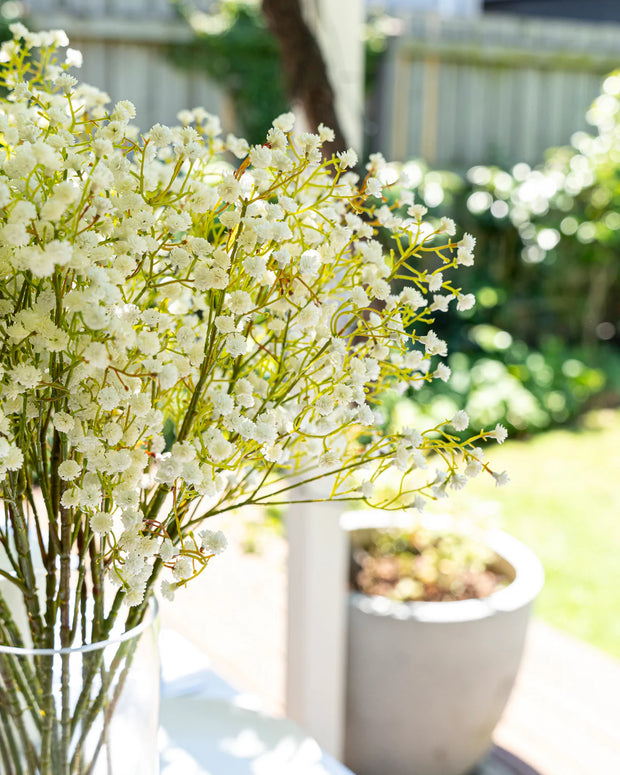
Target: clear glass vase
[89,710]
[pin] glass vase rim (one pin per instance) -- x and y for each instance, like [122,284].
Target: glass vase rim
[149,619]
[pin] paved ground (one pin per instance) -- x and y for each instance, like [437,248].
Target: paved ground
[563,718]
[564,715]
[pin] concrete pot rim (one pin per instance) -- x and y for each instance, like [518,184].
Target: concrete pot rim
[521,592]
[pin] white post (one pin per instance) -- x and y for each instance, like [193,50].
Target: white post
[317,565]
[339,29]
[316,634]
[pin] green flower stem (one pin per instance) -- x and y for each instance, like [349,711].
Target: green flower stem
[263,499]
[19,524]
[49,741]
[126,653]
[9,749]
[9,673]
[94,663]
[96,574]
[64,601]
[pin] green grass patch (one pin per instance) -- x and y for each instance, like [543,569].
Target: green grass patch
[563,501]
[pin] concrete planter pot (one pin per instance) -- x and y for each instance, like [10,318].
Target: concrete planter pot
[427,682]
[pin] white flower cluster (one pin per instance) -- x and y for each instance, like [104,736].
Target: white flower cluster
[177,331]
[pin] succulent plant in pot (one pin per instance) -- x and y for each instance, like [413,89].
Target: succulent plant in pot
[437,624]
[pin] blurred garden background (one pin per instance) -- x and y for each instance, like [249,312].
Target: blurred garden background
[506,118]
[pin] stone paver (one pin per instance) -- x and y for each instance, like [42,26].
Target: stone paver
[564,715]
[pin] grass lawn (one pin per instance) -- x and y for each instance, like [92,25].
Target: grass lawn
[563,501]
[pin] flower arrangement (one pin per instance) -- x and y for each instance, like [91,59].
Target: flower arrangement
[183,336]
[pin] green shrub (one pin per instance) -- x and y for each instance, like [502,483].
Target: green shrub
[506,381]
[542,342]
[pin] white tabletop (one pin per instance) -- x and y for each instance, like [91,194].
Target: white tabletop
[209,728]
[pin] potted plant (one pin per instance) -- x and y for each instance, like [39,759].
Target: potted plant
[188,326]
[437,624]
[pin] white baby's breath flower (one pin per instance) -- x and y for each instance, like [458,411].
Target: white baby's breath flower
[285,122]
[124,110]
[69,469]
[433,344]
[435,281]
[374,187]
[140,404]
[465,250]
[160,135]
[326,134]
[255,266]
[501,478]
[440,302]
[419,502]
[218,447]
[213,541]
[108,398]
[229,189]
[447,226]
[27,375]
[95,317]
[458,481]
[183,569]
[11,456]
[412,297]
[166,550]
[499,433]
[465,301]
[473,468]
[460,421]
[329,460]
[359,297]
[443,372]
[240,302]
[101,523]
[223,404]
[207,278]
[417,212]
[243,393]
[225,324]
[237,146]
[63,422]
[282,257]
[379,289]
[168,588]
[347,158]
[274,453]
[236,345]
[309,264]
[261,156]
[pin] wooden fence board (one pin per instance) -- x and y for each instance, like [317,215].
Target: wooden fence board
[124,43]
[415,97]
[448,105]
[505,134]
[128,74]
[94,67]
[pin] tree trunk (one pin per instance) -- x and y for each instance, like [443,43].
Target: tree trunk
[304,68]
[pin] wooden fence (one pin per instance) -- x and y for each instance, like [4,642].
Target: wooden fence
[454,91]
[124,43]
[462,91]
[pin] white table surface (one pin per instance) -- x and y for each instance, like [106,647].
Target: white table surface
[209,728]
